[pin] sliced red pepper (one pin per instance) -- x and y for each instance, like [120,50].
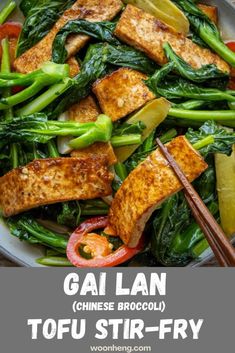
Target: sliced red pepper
[17,89]
[100,259]
[10,30]
[231,45]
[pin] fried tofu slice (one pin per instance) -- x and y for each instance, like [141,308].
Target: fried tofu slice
[147,186]
[47,181]
[210,11]
[144,32]
[73,66]
[97,149]
[87,111]
[122,92]
[90,10]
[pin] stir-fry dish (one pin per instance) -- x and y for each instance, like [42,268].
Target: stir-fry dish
[86,87]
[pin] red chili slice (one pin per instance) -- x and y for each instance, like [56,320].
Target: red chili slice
[79,237]
[17,89]
[10,29]
[231,45]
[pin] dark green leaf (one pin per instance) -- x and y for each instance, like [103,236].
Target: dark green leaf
[40,17]
[125,128]
[70,214]
[102,31]
[205,73]
[164,83]
[26,228]
[223,138]
[206,29]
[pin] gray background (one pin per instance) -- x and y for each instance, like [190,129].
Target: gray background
[191,294]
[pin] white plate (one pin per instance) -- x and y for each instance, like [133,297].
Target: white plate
[26,255]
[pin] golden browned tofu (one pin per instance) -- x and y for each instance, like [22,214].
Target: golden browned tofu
[73,66]
[147,186]
[86,111]
[144,32]
[122,92]
[47,181]
[210,11]
[97,149]
[91,10]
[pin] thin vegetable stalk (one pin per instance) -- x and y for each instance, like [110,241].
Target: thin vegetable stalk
[54,261]
[121,171]
[199,248]
[168,136]
[52,149]
[49,73]
[206,29]
[126,140]
[5,69]
[190,105]
[225,117]
[6,11]
[94,208]
[42,234]
[27,229]
[36,128]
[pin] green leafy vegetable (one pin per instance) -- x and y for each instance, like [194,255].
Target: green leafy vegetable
[141,153]
[98,60]
[171,219]
[102,31]
[197,117]
[222,139]
[147,147]
[127,134]
[174,87]
[206,29]
[205,73]
[6,93]
[52,149]
[49,73]
[126,129]
[70,214]
[7,10]
[40,17]
[37,128]
[93,208]
[174,231]
[55,261]
[27,229]
[184,242]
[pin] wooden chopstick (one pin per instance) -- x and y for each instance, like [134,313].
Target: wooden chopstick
[217,240]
